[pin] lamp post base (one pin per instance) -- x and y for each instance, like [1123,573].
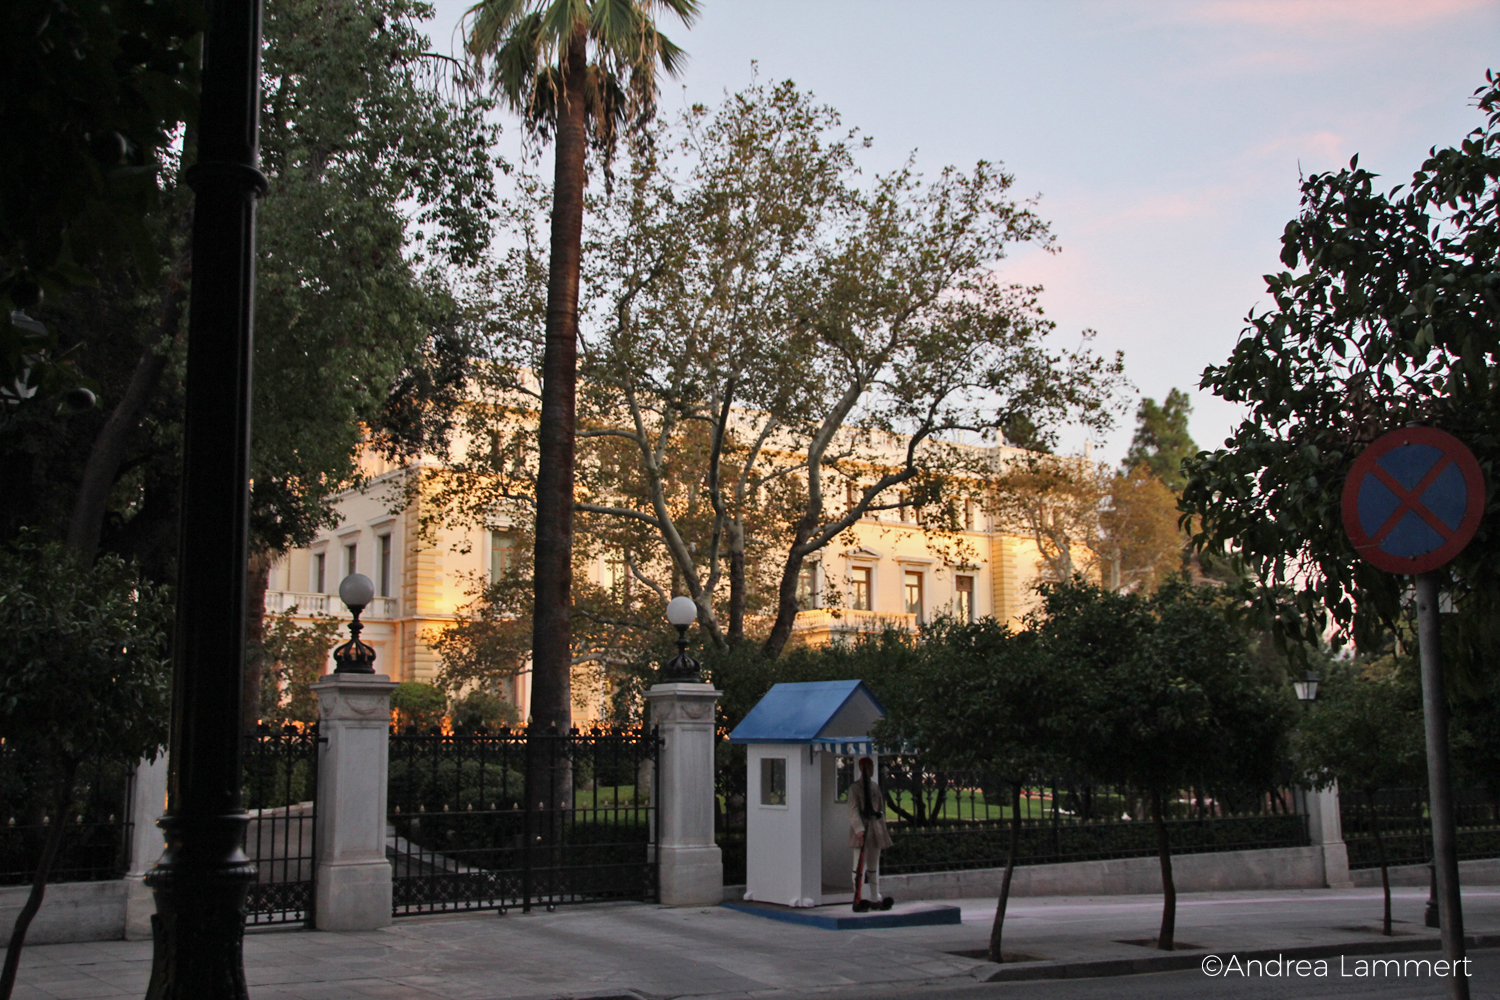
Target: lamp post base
[199,925]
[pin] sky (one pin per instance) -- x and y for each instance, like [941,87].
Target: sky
[1165,139]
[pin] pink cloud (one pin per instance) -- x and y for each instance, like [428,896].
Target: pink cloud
[1307,15]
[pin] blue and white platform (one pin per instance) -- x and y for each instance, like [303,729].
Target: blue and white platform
[841,917]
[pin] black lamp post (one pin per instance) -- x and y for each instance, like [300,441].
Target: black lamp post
[682,612]
[202,879]
[355,657]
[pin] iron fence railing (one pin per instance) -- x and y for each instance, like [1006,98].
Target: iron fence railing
[280,793]
[97,834]
[945,820]
[494,820]
[1405,827]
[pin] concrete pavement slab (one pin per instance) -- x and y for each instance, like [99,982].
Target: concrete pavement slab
[713,952]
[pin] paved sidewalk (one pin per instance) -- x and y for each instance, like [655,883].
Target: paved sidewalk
[654,951]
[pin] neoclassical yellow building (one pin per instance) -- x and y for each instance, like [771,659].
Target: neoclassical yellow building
[895,573]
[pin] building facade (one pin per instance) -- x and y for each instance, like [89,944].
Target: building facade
[894,574]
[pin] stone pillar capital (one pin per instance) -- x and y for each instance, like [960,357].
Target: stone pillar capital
[357,698]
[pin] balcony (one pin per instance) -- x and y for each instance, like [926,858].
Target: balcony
[833,621]
[278,601]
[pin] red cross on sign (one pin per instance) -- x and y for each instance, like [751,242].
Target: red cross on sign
[1413,499]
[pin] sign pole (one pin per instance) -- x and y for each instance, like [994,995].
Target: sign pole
[1439,792]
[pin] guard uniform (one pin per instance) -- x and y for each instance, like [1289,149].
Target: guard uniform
[867,816]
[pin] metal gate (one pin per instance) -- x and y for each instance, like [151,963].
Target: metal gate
[281,794]
[490,821]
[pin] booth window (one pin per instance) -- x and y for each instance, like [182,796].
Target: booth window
[773,781]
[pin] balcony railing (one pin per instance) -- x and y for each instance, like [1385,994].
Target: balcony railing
[849,620]
[329,604]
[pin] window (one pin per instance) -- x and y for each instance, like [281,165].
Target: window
[807,587]
[504,555]
[773,781]
[914,594]
[905,511]
[859,587]
[320,563]
[385,566]
[851,496]
[351,560]
[968,515]
[617,576]
[963,598]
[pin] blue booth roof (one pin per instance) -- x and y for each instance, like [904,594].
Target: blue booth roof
[810,712]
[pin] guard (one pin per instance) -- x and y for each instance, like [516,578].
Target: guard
[868,837]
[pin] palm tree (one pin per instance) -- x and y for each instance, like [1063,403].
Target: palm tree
[576,71]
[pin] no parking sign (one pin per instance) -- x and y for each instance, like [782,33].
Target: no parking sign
[1413,499]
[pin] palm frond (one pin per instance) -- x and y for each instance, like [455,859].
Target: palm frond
[486,24]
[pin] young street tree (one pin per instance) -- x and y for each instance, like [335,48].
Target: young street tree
[1166,697]
[83,676]
[999,713]
[540,54]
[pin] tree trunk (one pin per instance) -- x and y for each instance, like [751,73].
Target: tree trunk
[552,639]
[258,574]
[736,581]
[786,596]
[1168,889]
[1010,867]
[108,451]
[1385,872]
[38,882]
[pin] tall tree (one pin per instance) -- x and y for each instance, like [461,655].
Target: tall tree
[91,96]
[567,65]
[1384,315]
[1161,440]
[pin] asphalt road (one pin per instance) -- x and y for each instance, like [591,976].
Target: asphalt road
[1483,985]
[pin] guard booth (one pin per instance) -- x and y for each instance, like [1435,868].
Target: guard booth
[797,824]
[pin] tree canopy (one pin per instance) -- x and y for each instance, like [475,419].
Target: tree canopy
[1385,314]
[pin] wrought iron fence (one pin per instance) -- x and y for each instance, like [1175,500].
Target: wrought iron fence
[97,836]
[1405,827]
[481,820]
[729,809]
[281,792]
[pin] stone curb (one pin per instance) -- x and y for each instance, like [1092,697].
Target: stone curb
[989,972]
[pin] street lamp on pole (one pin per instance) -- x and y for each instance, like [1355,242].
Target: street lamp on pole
[355,657]
[682,612]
